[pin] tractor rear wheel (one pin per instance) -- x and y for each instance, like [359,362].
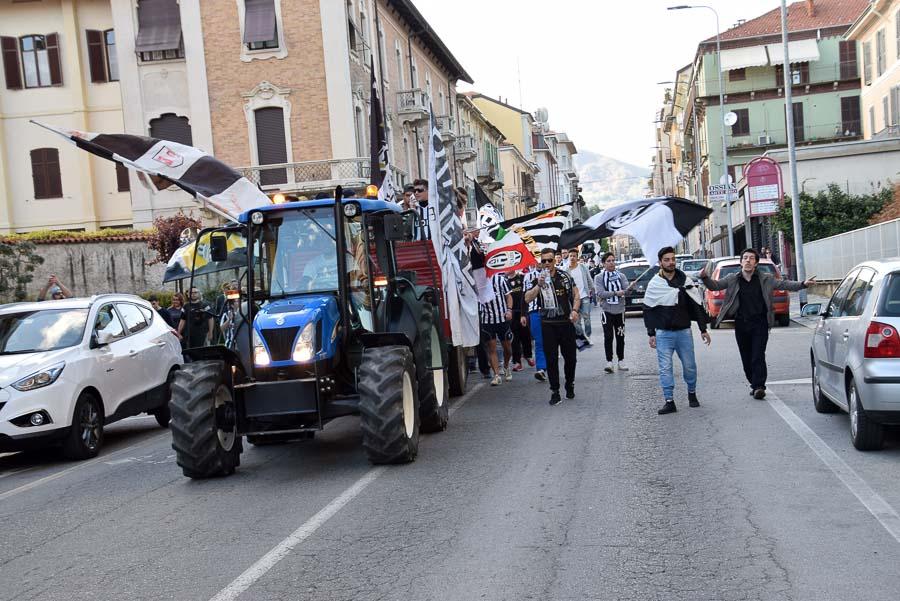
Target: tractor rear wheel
[432,383]
[389,405]
[204,432]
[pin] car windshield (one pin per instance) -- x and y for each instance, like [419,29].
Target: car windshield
[633,272]
[43,330]
[693,265]
[763,267]
[298,252]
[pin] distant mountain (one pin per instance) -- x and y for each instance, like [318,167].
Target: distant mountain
[606,181]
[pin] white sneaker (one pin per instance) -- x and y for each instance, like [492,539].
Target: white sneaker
[508,374]
[496,381]
[609,367]
[621,366]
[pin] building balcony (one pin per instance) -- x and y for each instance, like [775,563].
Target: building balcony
[446,124]
[311,177]
[804,134]
[484,171]
[465,148]
[412,106]
[497,182]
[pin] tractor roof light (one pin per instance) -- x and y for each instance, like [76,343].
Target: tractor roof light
[351,209]
[279,199]
[371,191]
[257,218]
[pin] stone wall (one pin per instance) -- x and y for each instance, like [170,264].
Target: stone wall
[96,267]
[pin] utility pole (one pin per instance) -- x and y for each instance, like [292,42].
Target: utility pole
[792,154]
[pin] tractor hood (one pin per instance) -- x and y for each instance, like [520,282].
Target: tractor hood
[292,315]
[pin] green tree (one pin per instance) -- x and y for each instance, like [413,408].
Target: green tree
[830,212]
[166,236]
[18,260]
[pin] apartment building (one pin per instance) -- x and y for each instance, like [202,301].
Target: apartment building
[477,156]
[519,196]
[60,66]
[877,34]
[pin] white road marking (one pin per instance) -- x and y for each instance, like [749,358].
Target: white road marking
[268,561]
[89,462]
[14,472]
[877,506]
[797,381]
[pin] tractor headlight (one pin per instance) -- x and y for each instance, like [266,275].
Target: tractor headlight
[305,347]
[257,218]
[45,377]
[260,354]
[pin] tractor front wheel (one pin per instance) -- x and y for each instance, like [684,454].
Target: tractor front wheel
[204,432]
[389,405]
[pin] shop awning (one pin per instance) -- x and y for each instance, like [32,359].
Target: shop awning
[800,51]
[159,26]
[259,21]
[740,58]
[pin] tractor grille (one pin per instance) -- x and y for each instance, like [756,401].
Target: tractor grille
[280,342]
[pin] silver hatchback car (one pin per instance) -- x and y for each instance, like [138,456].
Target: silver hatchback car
[855,351]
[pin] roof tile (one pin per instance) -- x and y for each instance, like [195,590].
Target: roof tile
[826,13]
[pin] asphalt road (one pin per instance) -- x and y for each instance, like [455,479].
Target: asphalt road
[597,498]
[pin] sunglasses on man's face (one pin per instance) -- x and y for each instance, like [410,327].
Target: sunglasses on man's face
[418,190]
[548,260]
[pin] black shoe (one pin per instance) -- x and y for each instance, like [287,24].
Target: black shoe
[570,392]
[554,398]
[759,394]
[692,400]
[540,375]
[669,407]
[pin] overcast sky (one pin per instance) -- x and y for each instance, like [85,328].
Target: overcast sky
[593,64]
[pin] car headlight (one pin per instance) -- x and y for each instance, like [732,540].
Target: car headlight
[39,379]
[305,347]
[260,354]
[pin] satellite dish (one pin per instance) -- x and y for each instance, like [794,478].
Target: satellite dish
[730,118]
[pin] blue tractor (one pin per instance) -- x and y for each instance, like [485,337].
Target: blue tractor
[327,325]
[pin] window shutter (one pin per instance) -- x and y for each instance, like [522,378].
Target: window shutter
[10,49]
[122,182]
[271,146]
[38,175]
[95,56]
[53,59]
[45,173]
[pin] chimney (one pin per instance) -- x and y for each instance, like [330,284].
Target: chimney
[810,8]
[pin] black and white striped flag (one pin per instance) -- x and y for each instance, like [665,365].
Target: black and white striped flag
[197,173]
[538,230]
[654,222]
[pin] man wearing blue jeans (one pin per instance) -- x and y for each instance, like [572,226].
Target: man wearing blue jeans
[671,303]
[534,322]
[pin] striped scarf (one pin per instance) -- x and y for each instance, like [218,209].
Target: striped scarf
[612,283]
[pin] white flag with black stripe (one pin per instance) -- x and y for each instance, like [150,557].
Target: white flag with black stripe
[538,230]
[654,222]
[197,173]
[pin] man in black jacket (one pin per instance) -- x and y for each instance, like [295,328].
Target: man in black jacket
[671,303]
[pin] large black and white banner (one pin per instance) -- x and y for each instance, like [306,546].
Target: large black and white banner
[450,247]
[654,222]
[197,173]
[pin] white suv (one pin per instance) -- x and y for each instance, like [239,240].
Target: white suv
[69,367]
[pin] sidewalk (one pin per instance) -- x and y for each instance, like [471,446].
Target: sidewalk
[809,322]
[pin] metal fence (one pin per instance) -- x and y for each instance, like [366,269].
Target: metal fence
[832,258]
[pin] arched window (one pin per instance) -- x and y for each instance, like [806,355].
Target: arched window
[45,173]
[170,126]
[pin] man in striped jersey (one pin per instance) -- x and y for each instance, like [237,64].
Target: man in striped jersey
[534,323]
[495,316]
[420,192]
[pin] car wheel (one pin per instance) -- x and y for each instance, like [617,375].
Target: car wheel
[85,435]
[783,320]
[865,434]
[820,401]
[162,413]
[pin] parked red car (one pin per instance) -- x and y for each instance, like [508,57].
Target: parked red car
[714,299]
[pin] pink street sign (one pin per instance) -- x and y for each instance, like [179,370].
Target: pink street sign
[765,192]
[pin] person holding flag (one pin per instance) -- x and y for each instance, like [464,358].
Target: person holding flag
[495,316]
[560,302]
[611,285]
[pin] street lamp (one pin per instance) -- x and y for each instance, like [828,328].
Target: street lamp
[722,124]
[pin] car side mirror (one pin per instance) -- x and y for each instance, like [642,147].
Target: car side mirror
[218,248]
[99,339]
[811,310]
